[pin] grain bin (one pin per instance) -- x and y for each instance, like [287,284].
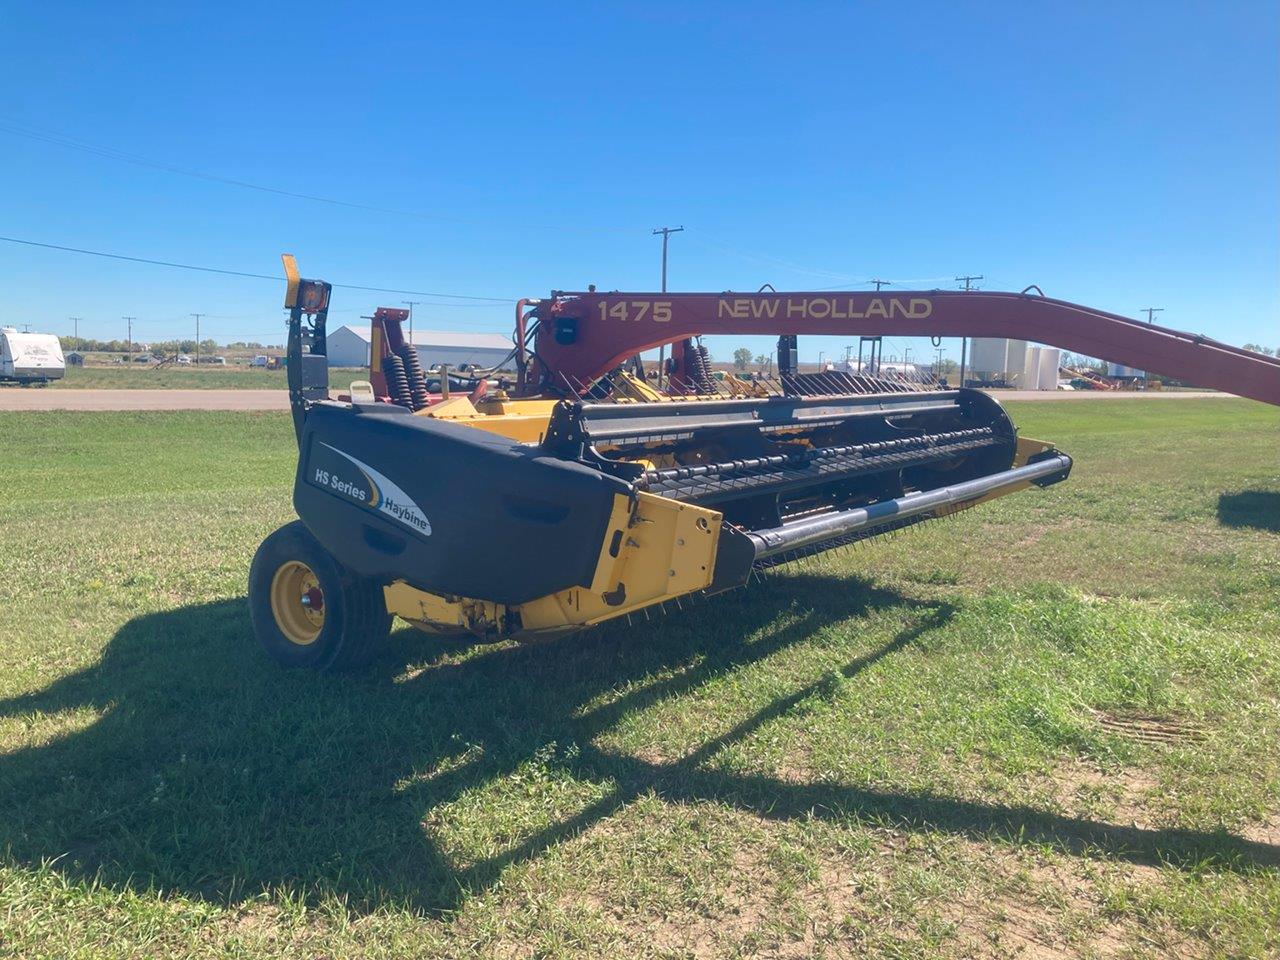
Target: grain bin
[1029,375]
[989,356]
[1050,361]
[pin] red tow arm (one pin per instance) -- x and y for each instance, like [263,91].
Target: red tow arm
[582,336]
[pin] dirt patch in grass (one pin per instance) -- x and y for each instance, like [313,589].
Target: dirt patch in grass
[1122,796]
[1041,910]
[1266,832]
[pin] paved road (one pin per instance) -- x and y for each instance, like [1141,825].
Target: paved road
[16,398]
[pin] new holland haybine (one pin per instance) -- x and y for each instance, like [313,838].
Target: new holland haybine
[584,491]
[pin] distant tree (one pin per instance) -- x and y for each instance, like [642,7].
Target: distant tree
[761,359]
[1259,348]
[742,358]
[1079,361]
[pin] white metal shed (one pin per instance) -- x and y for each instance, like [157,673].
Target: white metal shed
[349,347]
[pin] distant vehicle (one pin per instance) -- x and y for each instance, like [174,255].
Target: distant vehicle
[144,358]
[260,361]
[183,360]
[30,357]
[459,368]
[216,361]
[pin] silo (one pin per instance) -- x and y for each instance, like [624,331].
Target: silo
[987,357]
[1029,375]
[1050,358]
[1015,359]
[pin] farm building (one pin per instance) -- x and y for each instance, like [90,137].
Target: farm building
[349,347]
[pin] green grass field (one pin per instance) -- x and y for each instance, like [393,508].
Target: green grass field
[170,377]
[1046,728]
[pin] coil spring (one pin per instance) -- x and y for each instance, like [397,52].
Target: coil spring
[417,380]
[397,381]
[700,369]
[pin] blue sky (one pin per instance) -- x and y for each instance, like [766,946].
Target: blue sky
[1119,155]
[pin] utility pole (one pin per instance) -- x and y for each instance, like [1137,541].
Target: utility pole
[666,235]
[76,327]
[1151,318]
[964,341]
[412,304]
[881,283]
[197,316]
[130,320]
[821,354]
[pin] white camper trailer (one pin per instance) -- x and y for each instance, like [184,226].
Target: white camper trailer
[30,357]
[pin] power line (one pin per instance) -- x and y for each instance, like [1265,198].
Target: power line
[1151,313]
[706,240]
[15,128]
[253,276]
[888,283]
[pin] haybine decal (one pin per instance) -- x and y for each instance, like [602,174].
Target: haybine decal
[363,486]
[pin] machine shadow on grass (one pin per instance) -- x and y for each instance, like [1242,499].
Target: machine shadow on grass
[1258,509]
[213,774]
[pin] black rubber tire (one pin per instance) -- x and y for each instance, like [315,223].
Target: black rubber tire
[355,614]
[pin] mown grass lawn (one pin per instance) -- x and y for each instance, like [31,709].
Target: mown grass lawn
[1049,727]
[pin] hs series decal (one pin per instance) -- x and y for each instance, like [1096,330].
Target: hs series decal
[358,482]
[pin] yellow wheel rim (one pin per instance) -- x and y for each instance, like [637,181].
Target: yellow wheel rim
[297,603]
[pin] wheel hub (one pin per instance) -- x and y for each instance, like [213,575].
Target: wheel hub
[297,602]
